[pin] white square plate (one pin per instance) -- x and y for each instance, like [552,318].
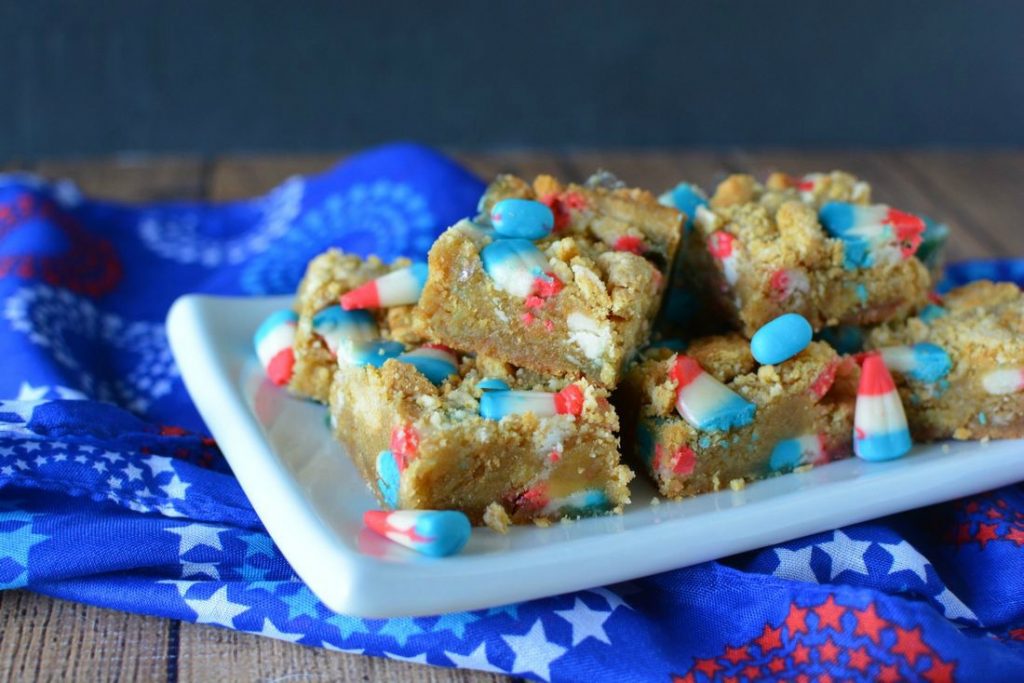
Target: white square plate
[312,499]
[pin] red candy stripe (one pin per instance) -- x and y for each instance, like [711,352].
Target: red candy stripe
[569,401]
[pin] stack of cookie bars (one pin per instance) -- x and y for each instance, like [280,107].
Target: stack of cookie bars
[501,377]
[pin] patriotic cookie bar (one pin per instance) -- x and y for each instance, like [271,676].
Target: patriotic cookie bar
[342,300]
[475,436]
[564,280]
[960,369]
[816,246]
[710,415]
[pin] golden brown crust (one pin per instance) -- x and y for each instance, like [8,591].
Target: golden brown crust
[531,468]
[982,331]
[811,395]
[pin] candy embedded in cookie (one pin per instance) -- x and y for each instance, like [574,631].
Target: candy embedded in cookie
[873,235]
[522,218]
[273,341]
[781,339]
[796,413]
[398,288]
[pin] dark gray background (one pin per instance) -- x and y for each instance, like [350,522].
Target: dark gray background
[210,77]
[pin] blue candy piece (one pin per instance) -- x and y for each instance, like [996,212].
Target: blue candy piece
[374,353]
[388,478]
[924,362]
[884,446]
[492,384]
[686,198]
[524,218]
[449,531]
[781,339]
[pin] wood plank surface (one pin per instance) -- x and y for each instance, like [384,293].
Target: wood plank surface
[45,639]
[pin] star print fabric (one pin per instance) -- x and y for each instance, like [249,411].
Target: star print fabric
[112,493]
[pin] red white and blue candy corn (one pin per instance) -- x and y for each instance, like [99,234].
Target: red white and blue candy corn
[518,267]
[808,449]
[373,353]
[924,362]
[274,340]
[1003,381]
[437,533]
[397,288]
[723,247]
[492,384]
[495,405]
[686,197]
[522,218]
[436,362]
[880,425]
[340,328]
[872,234]
[706,403]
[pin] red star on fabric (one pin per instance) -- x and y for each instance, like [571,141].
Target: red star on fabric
[889,673]
[971,507]
[708,667]
[770,639]
[801,654]
[830,614]
[868,622]
[796,620]
[735,655]
[992,513]
[941,672]
[909,644]
[802,678]
[1017,634]
[1016,535]
[688,678]
[730,679]
[777,665]
[824,678]
[752,672]
[986,533]
[827,652]
[963,534]
[859,659]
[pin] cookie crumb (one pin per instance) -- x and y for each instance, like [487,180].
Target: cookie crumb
[655,501]
[738,484]
[496,518]
[946,448]
[962,434]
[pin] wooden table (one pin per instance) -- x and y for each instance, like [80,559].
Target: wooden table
[981,195]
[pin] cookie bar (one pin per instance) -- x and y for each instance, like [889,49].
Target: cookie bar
[497,444]
[711,416]
[579,300]
[813,246]
[960,368]
[329,276]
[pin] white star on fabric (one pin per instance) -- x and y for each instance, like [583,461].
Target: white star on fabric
[586,622]
[114,482]
[906,557]
[99,466]
[132,472]
[795,564]
[81,459]
[30,446]
[60,457]
[216,609]
[87,449]
[175,488]
[415,659]
[23,409]
[40,460]
[111,456]
[270,631]
[158,464]
[953,607]
[534,653]
[21,464]
[69,394]
[27,392]
[7,470]
[60,445]
[6,451]
[199,569]
[611,597]
[193,535]
[477,659]
[168,511]
[846,553]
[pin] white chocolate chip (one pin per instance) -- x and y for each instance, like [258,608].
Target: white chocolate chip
[592,337]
